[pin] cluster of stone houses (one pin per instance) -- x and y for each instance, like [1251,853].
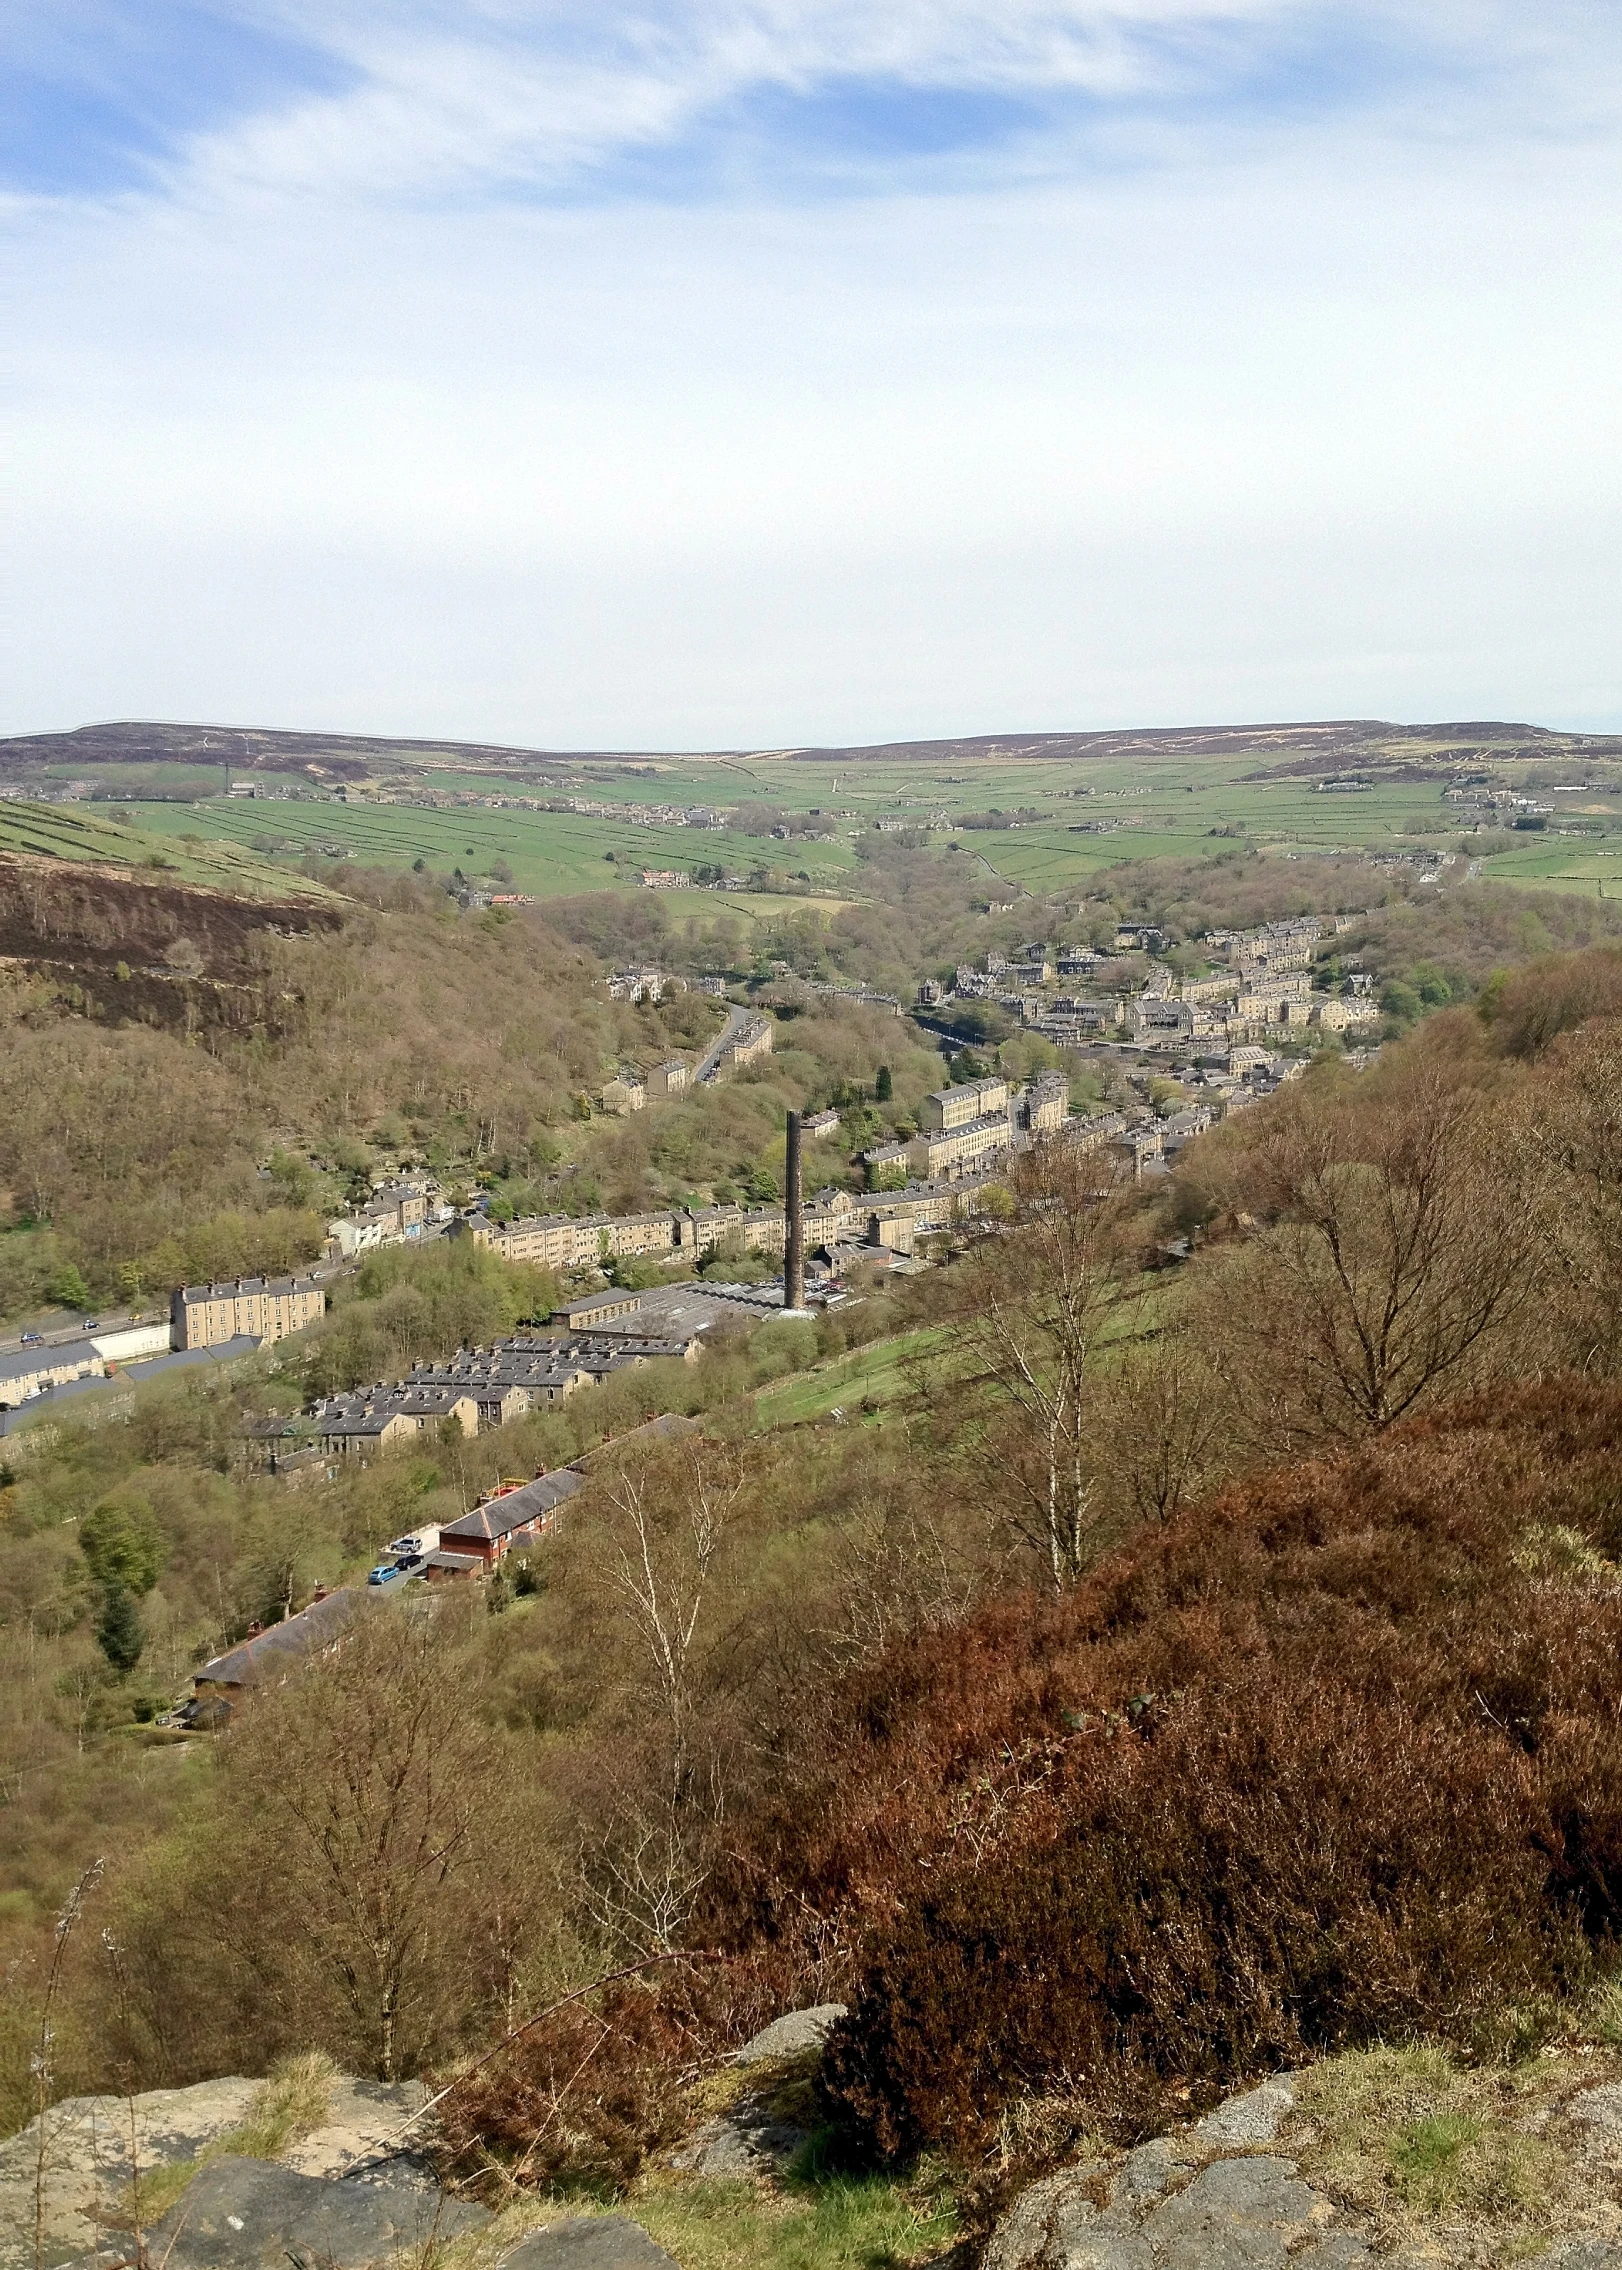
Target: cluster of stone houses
[833,1219]
[397,1213]
[485,1387]
[650,985]
[631,1090]
[628,1091]
[1265,984]
[968,1129]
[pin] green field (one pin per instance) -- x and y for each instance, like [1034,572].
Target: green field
[1179,808]
[1587,866]
[872,1375]
[77,831]
[1156,803]
[551,854]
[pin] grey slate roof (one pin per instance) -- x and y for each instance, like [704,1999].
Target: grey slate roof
[490,1523]
[278,1648]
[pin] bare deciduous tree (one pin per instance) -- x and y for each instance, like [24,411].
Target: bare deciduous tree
[1389,1244]
[1571,1126]
[668,1521]
[1164,1426]
[365,1786]
[1034,1299]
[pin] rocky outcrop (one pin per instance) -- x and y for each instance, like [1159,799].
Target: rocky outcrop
[241,2214]
[589,2242]
[95,2147]
[794,2034]
[762,2129]
[1231,2193]
[1160,2208]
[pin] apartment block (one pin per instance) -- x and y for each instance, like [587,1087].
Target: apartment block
[202,1316]
[951,1108]
[1044,1106]
[568,1241]
[947,1154]
[749,1042]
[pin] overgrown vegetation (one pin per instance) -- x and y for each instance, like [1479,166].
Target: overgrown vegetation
[1180,1672]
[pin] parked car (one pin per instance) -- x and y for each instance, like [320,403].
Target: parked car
[409,1561]
[406,1545]
[382,1573]
[33,1339]
[92,1323]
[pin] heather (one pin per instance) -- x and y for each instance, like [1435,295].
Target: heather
[1194,1666]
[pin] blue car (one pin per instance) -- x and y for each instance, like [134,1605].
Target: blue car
[382,1573]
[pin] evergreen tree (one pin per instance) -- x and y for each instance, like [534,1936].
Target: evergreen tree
[883,1086]
[118,1628]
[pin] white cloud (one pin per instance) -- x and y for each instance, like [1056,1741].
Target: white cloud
[1315,417]
[543,95]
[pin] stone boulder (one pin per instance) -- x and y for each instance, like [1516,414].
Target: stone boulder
[1207,2200]
[589,2242]
[241,2214]
[793,2034]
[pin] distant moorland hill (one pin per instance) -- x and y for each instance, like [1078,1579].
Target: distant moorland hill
[353,755]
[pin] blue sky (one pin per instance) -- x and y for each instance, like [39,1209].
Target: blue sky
[719,371]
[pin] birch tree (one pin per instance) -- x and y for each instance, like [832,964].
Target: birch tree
[1033,1303]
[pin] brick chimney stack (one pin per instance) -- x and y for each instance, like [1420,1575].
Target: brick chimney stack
[794,1215]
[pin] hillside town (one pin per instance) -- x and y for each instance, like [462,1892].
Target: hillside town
[1201,1043]
[1259,985]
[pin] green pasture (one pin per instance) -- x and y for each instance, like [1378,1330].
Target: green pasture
[551,854]
[1165,804]
[876,1374]
[926,1358]
[1587,866]
[1190,821]
[79,831]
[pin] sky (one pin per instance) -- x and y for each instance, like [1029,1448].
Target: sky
[756,373]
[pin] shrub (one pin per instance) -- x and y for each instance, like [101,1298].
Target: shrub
[581,2100]
[1328,1761]
[1238,1882]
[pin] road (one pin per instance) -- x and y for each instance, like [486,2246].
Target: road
[107,1320]
[129,1375]
[736,1020]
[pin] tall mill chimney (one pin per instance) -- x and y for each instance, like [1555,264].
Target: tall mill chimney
[794,1217]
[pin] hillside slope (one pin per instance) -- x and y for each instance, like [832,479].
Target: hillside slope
[341,756]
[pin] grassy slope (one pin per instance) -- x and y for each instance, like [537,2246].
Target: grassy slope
[1171,803]
[550,853]
[56,831]
[1590,866]
[875,1374]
